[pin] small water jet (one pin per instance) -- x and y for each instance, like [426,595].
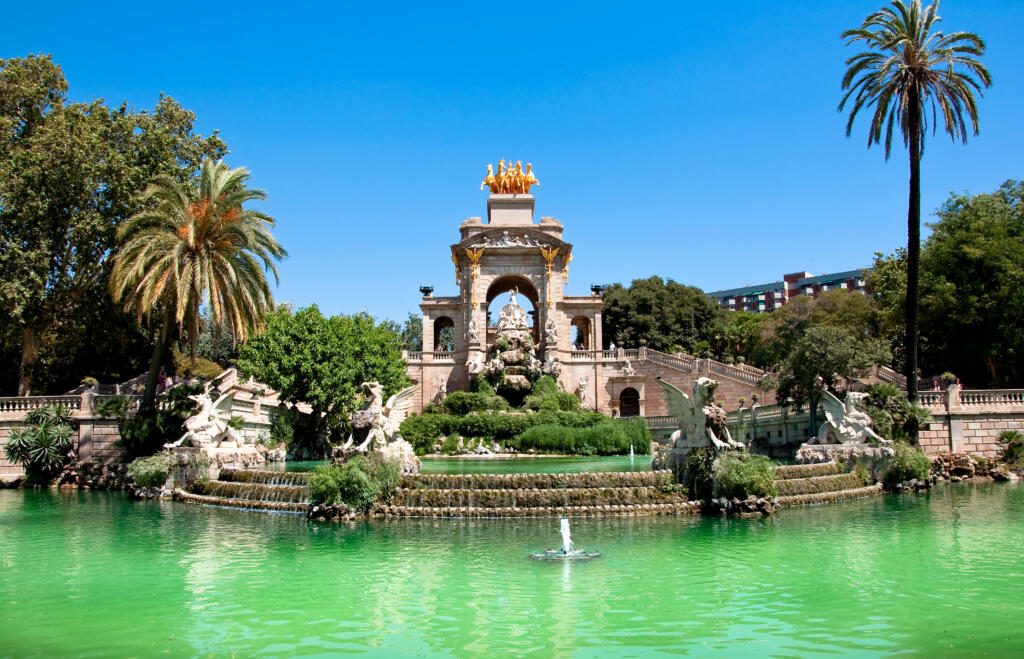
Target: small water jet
[567,552]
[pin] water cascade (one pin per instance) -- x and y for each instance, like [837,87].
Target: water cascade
[466,495]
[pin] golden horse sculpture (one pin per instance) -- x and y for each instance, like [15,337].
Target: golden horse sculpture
[509,179]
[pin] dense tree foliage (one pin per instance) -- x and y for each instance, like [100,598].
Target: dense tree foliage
[908,68]
[322,361]
[972,288]
[70,174]
[830,352]
[412,333]
[659,314]
[192,246]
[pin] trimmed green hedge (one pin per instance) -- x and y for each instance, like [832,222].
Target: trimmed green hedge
[548,431]
[461,403]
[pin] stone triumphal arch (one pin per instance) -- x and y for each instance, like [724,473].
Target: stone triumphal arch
[511,253]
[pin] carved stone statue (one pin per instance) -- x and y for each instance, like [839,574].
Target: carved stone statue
[701,421]
[512,316]
[475,365]
[208,426]
[845,424]
[473,332]
[379,421]
[581,390]
[551,331]
[628,369]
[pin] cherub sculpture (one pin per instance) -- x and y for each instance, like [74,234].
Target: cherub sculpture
[379,421]
[701,422]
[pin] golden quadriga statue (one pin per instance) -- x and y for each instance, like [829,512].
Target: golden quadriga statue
[509,179]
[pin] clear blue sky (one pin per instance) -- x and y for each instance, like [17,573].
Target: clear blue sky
[698,141]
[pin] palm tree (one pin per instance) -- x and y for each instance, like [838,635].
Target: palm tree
[906,70]
[196,246]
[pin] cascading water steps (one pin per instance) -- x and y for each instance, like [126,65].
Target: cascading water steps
[523,495]
[800,485]
[466,495]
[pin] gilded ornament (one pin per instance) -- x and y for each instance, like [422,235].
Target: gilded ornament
[510,179]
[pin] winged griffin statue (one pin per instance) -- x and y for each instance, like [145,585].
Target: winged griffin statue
[701,422]
[844,423]
[378,422]
[209,425]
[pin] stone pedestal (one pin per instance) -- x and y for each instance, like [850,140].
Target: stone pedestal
[195,462]
[511,210]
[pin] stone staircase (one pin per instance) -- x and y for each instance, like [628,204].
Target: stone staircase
[801,485]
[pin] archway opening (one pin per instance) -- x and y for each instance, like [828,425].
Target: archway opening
[496,300]
[629,402]
[444,334]
[579,333]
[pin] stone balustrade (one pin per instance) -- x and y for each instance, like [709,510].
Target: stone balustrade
[18,405]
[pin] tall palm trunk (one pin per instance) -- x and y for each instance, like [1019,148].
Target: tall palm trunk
[160,351]
[29,357]
[913,248]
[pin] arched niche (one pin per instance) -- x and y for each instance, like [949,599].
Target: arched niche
[580,333]
[629,402]
[444,334]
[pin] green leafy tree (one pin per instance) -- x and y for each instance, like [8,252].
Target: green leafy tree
[907,69]
[737,336]
[832,353]
[193,246]
[972,289]
[323,361]
[70,173]
[972,300]
[412,333]
[659,314]
[782,329]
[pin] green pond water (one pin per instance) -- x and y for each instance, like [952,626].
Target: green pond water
[96,574]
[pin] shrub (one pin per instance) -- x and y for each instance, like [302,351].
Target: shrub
[546,396]
[892,415]
[606,438]
[739,475]
[480,385]
[461,403]
[908,463]
[152,471]
[638,434]
[1013,446]
[699,474]
[282,426]
[324,487]
[358,483]
[42,446]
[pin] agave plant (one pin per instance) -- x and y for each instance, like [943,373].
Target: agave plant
[42,445]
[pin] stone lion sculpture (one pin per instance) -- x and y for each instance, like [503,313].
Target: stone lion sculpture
[845,423]
[379,421]
[701,422]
